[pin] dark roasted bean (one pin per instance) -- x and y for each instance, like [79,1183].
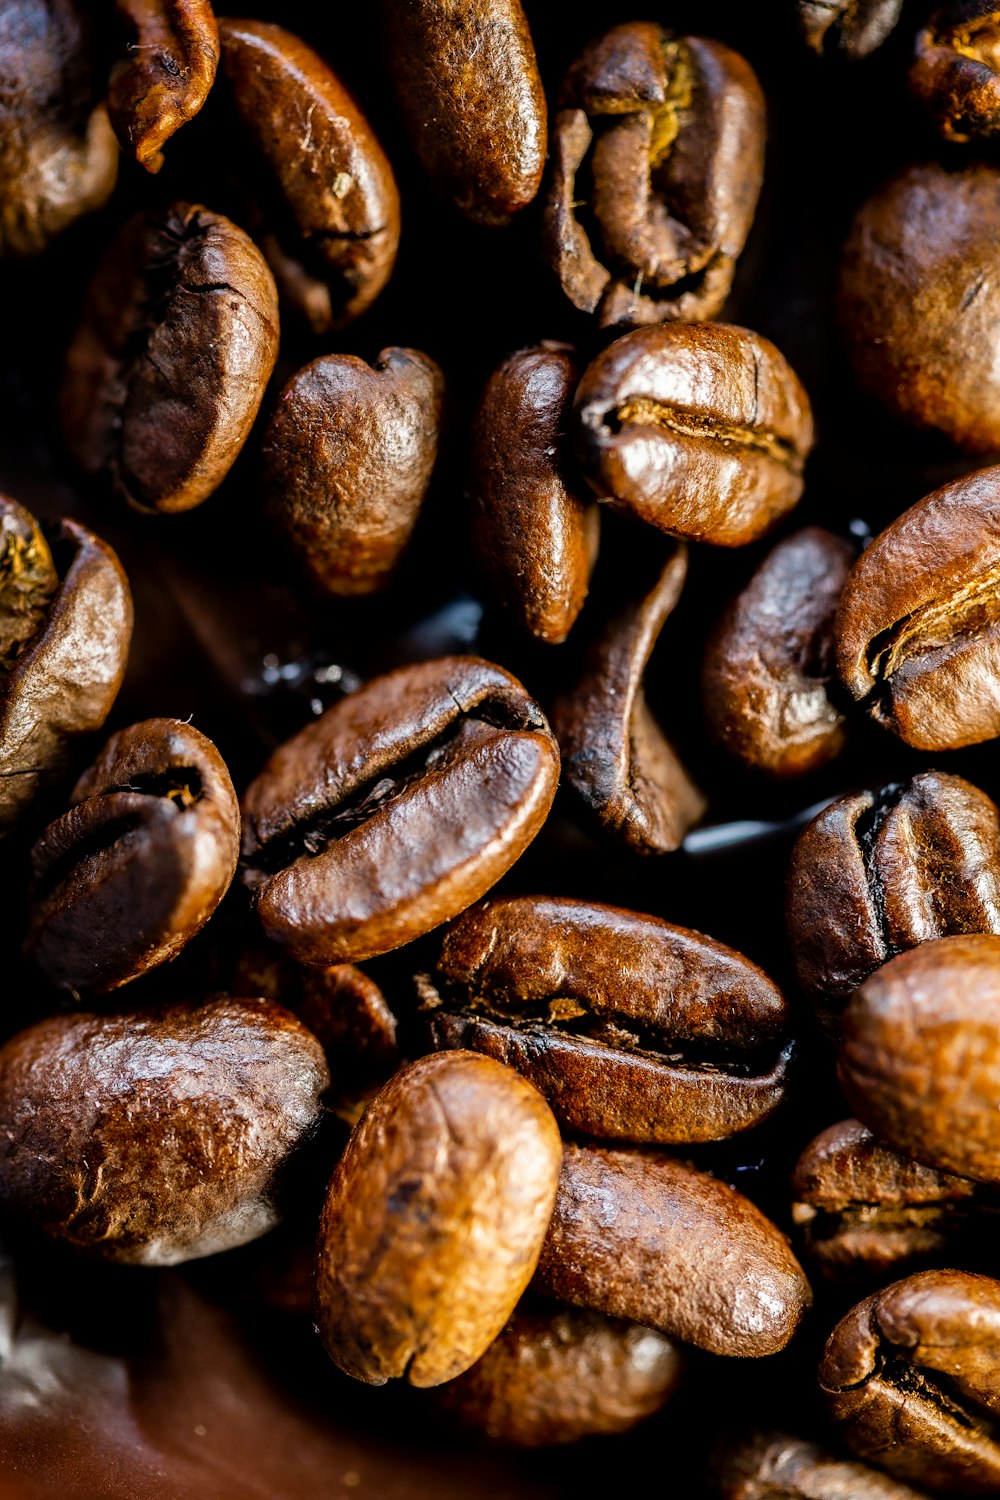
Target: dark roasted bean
[853,28]
[168,54]
[955,73]
[772,1466]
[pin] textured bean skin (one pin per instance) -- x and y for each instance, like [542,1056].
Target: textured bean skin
[852,28]
[955,72]
[774,1466]
[167,60]
[434,1219]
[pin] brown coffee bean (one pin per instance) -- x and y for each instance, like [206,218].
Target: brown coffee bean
[645,1237]
[168,366]
[168,54]
[863,1210]
[467,83]
[852,28]
[155,1137]
[348,455]
[434,1219]
[769,661]
[659,140]
[920,1059]
[918,627]
[58,154]
[615,755]
[774,1466]
[919,301]
[910,1378]
[557,1374]
[632,1029]
[534,531]
[955,73]
[139,863]
[700,429]
[449,757]
[332,239]
[65,628]
[876,873]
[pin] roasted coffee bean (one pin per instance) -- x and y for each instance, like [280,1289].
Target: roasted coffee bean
[348,456]
[920,1060]
[468,87]
[770,660]
[853,28]
[139,863]
[434,1219]
[910,1376]
[58,154]
[632,1029]
[659,147]
[65,628]
[774,1466]
[652,1239]
[154,1137]
[700,429]
[168,54]
[919,301]
[615,756]
[863,1210]
[918,627]
[876,873]
[557,1374]
[332,239]
[448,760]
[534,531]
[955,73]
[168,366]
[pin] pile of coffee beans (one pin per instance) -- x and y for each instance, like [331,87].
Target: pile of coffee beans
[499,669]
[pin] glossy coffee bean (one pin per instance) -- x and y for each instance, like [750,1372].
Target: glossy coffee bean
[329,198]
[955,72]
[910,1376]
[468,88]
[140,861]
[632,1029]
[700,429]
[558,1374]
[852,28]
[918,627]
[434,1219]
[449,757]
[168,51]
[168,366]
[615,755]
[658,159]
[58,154]
[534,531]
[155,1137]
[920,1059]
[919,300]
[876,873]
[65,628]
[645,1237]
[769,661]
[865,1211]
[347,458]
[779,1467]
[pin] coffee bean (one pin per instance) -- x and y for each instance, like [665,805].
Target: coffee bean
[769,661]
[918,627]
[65,628]
[919,301]
[700,429]
[658,153]
[167,56]
[644,1237]
[955,72]
[348,456]
[155,1137]
[434,1219]
[168,366]
[632,1029]
[920,1059]
[780,1467]
[910,1378]
[853,28]
[139,863]
[332,227]
[449,758]
[876,873]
